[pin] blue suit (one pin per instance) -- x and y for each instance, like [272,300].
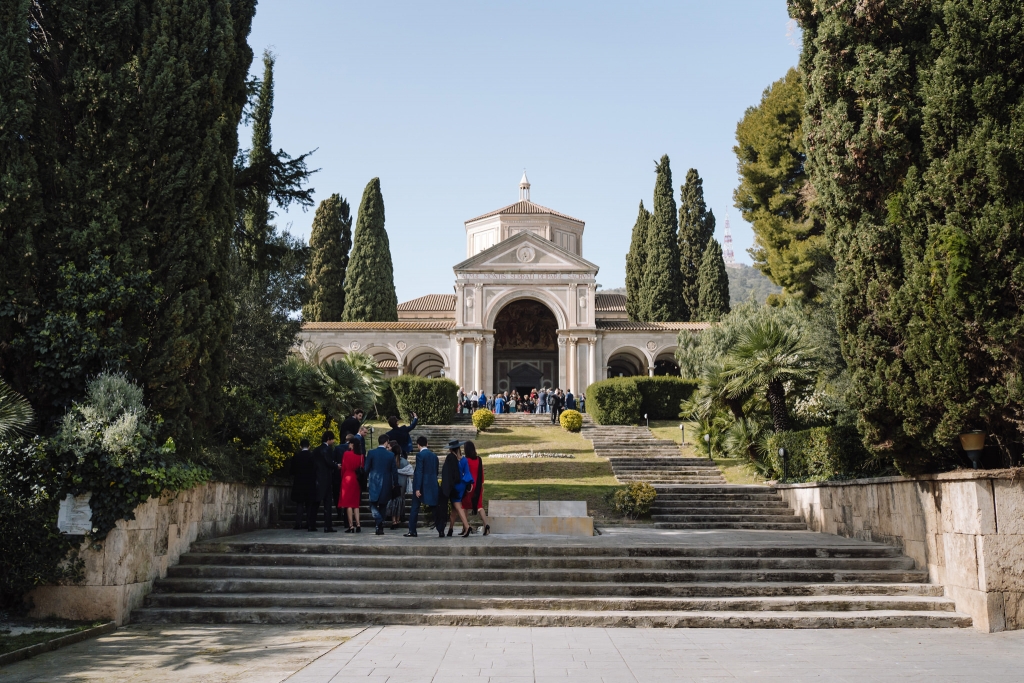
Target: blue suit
[381,474]
[424,480]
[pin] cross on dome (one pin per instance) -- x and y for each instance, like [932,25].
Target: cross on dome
[524,188]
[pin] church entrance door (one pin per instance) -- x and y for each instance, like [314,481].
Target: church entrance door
[525,347]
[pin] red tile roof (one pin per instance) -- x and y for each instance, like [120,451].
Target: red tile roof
[632,326]
[400,325]
[430,302]
[610,302]
[524,207]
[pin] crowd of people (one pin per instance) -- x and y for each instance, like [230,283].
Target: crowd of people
[547,401]
[334,476]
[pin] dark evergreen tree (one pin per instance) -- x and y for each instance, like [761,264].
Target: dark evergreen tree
[712,285]
[696,227]
[369,279]
[636,261]
[329,244]
[662,297]
[774,195]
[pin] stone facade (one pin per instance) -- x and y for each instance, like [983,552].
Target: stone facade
[966,528]
[121,570]
[521,253]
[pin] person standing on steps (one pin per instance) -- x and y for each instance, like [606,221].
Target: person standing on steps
[499,404]
[326,466]
[542,400]
[401,434]
[473,500]
[396,506]
[303,471]
[482,401]
[425,489]
[382,477]
[351,491]
[570,400]
[553,405]
[455,481]
[352,423]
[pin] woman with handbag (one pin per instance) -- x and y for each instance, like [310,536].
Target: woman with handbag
[353,474]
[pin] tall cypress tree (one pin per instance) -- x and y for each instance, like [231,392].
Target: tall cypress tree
[329,244]
[636,261]
[256,209]
[712,285]
[370,280]
[662,297]
[696,227]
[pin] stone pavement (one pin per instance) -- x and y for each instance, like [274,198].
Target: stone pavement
[258,654]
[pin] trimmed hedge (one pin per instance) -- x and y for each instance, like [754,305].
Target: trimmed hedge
[433,400]
[625,400]
[614,401]
[660,397]
[816,454]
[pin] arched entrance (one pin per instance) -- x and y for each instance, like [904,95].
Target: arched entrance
[626,363]
[525,347]
[666,365]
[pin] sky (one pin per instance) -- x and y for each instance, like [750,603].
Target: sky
[448,102]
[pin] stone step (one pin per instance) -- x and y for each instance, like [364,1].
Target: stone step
[477,617]
[660,503]
[761,526]
[172,586]
[387,574]
[225,561]
[717,497]
[726,489]
[765,516]
[444,601]
[669,514]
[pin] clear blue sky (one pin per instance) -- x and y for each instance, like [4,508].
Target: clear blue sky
[447,102]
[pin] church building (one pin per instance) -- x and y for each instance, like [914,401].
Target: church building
[525,313]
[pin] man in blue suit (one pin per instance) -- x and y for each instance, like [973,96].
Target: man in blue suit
[382,476]
[424,486]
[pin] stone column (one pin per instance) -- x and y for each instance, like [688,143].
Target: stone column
[571,369]
[478,364]
[592,348]
[562,363]
[489,364]
[457,362]
[460,308]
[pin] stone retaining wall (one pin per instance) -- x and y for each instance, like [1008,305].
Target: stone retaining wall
[121,572]
[966,528]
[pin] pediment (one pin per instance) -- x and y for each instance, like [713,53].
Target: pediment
[526,252]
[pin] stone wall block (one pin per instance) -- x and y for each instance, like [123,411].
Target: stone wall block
[968,508]
[962,561]
[145,516]
[1001,566]
[1013,609]
[1009,505]
[115,550]
[162,525]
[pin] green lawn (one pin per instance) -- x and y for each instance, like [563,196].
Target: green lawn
[547,439]
[9,643]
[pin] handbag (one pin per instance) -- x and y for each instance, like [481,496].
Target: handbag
[363,478]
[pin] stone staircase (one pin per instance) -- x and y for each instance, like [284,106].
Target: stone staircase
[636,454]
[722,507]
[286,520]
[611,441]
[814,581]
[523,420]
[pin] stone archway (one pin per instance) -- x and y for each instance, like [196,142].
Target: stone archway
[627,362]
[666,365]
[424,362]
[525,346]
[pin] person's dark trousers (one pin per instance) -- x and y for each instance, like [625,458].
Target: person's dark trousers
[554,415]
[414,515]
[328,504]
[307,510]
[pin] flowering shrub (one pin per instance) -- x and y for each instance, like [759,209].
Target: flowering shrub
[571,420]
[482,419]
[635,500]
[290,431]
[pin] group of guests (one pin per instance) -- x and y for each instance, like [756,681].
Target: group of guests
[335,475]
[552,401]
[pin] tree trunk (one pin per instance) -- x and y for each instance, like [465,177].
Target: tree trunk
[776,395]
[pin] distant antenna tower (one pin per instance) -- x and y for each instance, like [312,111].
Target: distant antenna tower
[727,255]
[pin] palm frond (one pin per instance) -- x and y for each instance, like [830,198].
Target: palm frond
[16,414]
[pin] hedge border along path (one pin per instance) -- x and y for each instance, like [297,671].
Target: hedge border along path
[625,400]
[57,643]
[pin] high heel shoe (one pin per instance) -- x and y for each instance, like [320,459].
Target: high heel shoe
[359,529]
[487,530]
[451,530]
[467,532]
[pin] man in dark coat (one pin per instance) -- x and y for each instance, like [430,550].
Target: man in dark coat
[303,471]
[424,488]
[554,405]
[326,465]
[401,433]
[352,423]
[382,477]
[570,400]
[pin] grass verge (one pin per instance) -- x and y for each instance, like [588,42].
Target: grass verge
[55,629]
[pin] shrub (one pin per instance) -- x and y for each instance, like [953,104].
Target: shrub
[289,432]
[433,400]
[635,500]
[482,419]
[660,397]
[816,454]
[614,401]
[571,420]
[386,404]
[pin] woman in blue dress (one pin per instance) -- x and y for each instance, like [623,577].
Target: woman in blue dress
[456,482]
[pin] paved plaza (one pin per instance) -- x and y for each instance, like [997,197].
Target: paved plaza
[264,654]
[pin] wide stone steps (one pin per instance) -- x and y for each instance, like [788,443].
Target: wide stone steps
[722,507]
[438,436]
[503,582]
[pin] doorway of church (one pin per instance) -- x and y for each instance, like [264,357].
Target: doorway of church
[525,347]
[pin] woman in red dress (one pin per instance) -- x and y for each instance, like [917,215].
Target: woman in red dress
[473,501]
[350,488]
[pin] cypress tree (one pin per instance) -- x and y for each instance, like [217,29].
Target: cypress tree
[774,195]
[712,284]
[256,209]
[370,280]
[662,300]
[696,227]
[636,261]
[192,77]
[329,244]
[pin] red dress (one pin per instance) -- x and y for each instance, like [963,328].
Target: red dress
[467,500]
[350,492]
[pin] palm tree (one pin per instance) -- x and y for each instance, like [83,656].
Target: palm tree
[340,386]
[16,414]
[766,356]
